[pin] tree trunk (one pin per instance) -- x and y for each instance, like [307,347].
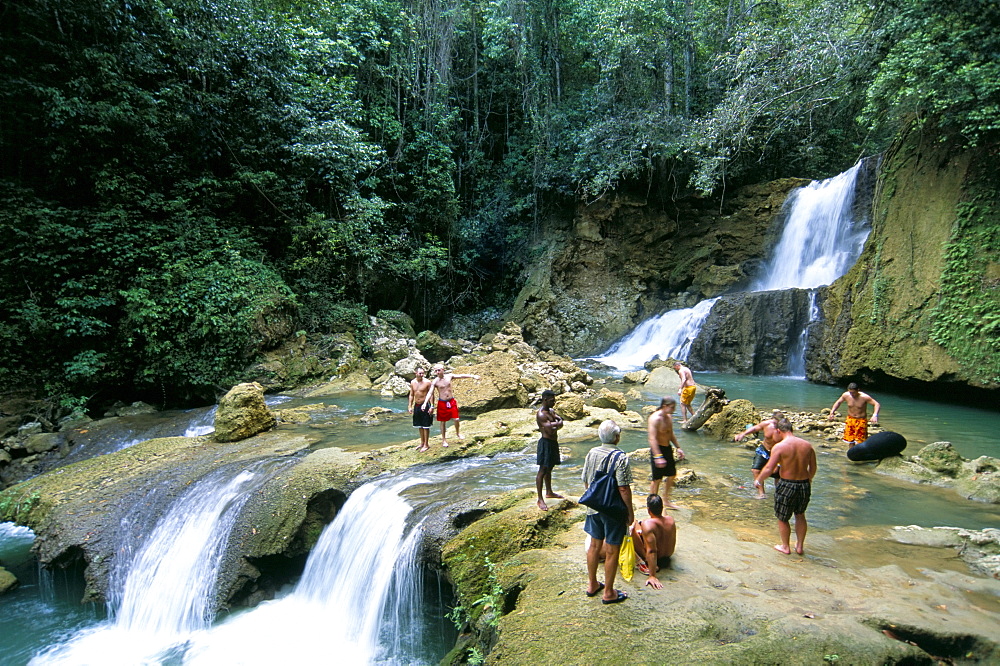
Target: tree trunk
[715,400]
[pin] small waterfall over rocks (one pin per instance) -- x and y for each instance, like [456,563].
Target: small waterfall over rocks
[164,592]
[764,330]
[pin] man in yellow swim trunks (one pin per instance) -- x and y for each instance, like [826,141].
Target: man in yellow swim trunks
[686,391]
[856,426]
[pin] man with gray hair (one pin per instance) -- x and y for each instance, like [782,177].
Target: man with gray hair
[607,531]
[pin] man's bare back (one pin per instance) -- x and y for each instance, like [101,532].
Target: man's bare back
[796,458]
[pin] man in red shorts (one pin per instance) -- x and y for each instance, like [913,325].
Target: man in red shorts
[447,406]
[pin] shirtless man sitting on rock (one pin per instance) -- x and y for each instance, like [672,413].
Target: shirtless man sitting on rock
[654,540]
[797,460]
[447,406]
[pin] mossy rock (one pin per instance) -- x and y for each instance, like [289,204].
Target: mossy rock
[940,457]
[733,419]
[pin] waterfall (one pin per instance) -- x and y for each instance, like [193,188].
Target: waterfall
[358,601]
[165,593]
[202,424]
[669,335]
[819,242]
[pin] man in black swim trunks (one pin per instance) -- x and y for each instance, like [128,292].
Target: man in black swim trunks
[654,540]
[547,456]
[661,453]
[422,413]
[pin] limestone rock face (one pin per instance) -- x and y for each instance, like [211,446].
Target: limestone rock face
[499,386]
[386,342]
[623,259]
[752,333]
[880,318]
[637,377]
[242,413]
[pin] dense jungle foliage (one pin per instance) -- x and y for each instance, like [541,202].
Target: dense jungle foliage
[176,172]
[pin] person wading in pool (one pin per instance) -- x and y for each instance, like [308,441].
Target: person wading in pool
[856,424]
[797,460]
[763,452]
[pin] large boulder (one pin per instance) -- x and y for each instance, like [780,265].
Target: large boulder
[407,367]
[242,413]
[386,342]
[499,386]
[663,381]
[733,418]
[570,406]
[8,581]
[939,464]
[610,400]
[435,348]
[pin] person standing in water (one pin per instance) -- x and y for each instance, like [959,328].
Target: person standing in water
[422,412]
[547,455]
[856,425]
[447,406]
[661,454]
[797,461]
[769,428]
[686,391]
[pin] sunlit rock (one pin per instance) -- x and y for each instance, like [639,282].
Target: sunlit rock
[242,413]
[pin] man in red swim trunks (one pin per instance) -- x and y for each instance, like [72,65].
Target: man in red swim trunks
[856,425]
[447,406]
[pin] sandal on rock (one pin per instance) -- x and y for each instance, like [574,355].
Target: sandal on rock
[621,597]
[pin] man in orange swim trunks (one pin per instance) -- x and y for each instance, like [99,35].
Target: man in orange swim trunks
[856,426]
[686,391]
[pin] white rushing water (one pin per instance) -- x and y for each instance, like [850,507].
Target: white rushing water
[358,601]
[166,592]
[819,243]
[669,335]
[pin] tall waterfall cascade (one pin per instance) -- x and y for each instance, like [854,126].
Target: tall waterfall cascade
[820,241]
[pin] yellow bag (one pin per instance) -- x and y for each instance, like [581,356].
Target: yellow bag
[626,558]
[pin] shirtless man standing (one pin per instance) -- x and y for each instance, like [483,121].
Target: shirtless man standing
[686,391]
[654,540]
[547,455]
[856,425]
[661,454]
[797,460]
[447,406]
[422,415]
[763,452]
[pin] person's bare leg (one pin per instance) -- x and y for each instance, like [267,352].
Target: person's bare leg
[444,439]
[800,532]
[425,439]
[548,485]
[593,559]
[539,479]
[784,531]
[654,487]
[760,488]
[457,435]
[610,571]
[667,487]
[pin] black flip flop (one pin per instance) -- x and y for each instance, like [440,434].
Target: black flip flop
[621,597]
[600,586]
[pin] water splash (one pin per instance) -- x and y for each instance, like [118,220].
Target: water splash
[166,592]
[669,335]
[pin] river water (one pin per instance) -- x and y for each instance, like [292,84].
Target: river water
[43,616]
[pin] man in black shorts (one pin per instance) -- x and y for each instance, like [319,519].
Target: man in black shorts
[661,453]
[423,414]
[548,447]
